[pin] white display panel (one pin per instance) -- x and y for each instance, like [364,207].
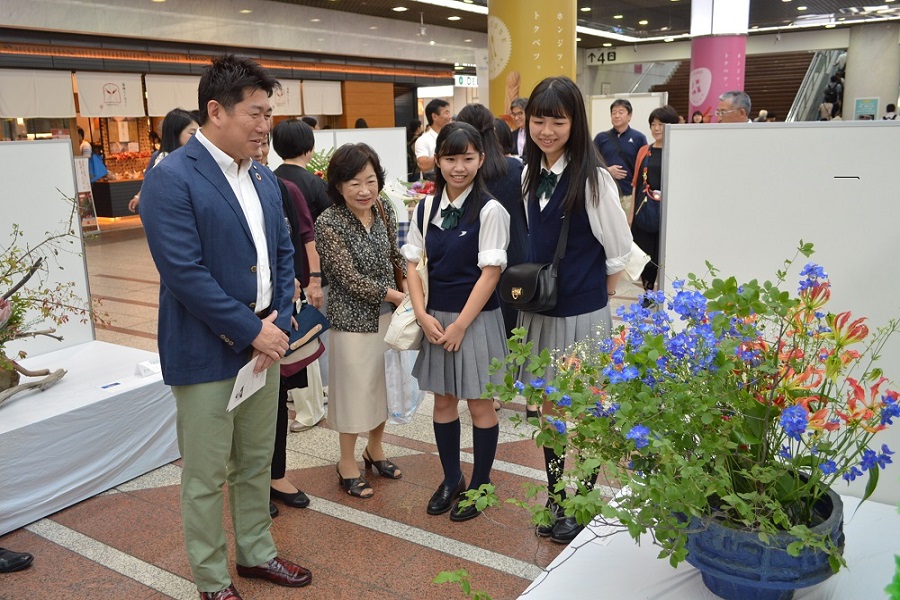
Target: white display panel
[743,196]
[37,178]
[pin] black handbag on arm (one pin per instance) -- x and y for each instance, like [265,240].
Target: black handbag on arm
[532,287]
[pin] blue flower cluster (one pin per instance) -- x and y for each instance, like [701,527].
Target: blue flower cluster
[813,273]
[617,375]
[785,453]
[565,401]
[871,459]
[794,420]
[828,467]
[560,426]
[639,434]
[891,409]
[605,411]
[690,305]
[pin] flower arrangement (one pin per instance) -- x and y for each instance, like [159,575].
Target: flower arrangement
[742,403]
[53,303]
[318,163]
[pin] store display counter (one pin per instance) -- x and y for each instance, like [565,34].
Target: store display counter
[111,197]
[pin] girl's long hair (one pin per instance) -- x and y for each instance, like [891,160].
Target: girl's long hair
[559,97]
[175,122]
[455,138]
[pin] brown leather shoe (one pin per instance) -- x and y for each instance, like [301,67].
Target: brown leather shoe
[279,572]
[228,593]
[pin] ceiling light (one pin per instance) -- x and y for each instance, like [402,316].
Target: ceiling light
[617,16]
[468,1]
[830,26]
[399,9]
[607,45]
[585,9]
[315,20]
[577,39]
[431,43]
[373,27]
[785,0]
[458,67]
[668,39]
[801,8]
[643,22]
[159,0]
[468,40]
[245,11]
[453,18]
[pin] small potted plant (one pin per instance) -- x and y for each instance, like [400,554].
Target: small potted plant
[733,407]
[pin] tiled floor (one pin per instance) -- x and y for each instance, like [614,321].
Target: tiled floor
[127,543]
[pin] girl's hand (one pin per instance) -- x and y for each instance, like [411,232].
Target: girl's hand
[453,337]
[432,328]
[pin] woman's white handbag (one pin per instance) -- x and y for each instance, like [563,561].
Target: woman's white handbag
[404,332]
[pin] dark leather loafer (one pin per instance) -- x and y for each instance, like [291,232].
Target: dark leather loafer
[556,513]
[13,561]
[565,530]
[273,510]
[228,593]
[296,500]
[463,514]
[443,498]
[279,572]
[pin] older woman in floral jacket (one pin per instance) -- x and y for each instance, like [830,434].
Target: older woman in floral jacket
[357,241]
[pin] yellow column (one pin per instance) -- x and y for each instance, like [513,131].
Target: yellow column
[528,40]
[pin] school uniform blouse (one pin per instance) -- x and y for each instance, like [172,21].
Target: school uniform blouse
[493,237]
[607,219]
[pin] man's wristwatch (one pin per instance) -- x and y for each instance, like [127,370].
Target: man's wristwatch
[316,274]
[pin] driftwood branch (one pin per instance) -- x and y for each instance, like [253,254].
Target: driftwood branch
[44,332]
[42,385]
[37,265]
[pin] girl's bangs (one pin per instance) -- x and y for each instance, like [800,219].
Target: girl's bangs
[457,142]
[548,104]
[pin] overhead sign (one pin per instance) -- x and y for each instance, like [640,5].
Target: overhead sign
[466,81]
[594,57]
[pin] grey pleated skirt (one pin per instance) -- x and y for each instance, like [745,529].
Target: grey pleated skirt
[357,395]
[463,373]
[559,334]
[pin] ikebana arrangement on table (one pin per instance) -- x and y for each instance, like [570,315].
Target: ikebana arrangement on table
[739,405]
[318,163]
[33,310]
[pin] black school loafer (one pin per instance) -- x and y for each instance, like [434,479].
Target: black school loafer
[13,561]
[565,530]
[443,498]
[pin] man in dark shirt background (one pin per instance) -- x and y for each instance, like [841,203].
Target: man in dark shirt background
[619,147]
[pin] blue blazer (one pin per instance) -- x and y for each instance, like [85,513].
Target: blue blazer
[203,249]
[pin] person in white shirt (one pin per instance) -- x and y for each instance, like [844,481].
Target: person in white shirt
[85,146]
[437,113]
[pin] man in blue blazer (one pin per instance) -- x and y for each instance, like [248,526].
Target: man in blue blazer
[217,234]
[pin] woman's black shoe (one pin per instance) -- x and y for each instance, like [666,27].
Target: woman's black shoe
[565,530]
[273,510]
[556,513]
[297,500]
[443,498]
[385,468]
[463,514]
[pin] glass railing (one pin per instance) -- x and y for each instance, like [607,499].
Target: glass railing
[809,96]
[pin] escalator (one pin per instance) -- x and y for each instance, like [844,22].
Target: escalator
[809,96]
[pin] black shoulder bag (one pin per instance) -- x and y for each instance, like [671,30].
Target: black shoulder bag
[532,287]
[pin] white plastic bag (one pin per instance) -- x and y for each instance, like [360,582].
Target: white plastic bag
[403,395]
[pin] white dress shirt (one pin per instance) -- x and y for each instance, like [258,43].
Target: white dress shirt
[493,237]
[238,176]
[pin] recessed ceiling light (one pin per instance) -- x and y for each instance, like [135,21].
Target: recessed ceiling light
[785,0]
[468,40]
[399,9]
[668,39]
[159,0]
[453,18]
[373,27]
[617,16]
[577,39]
[458,67]
[666,28]
[315,20]
[585,9]
[245,11]
[829,26]
[320,39]
[431,43]
[643,22]
[607,44]
[468,1]
[801,8]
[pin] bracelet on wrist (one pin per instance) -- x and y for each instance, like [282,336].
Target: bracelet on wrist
[316,274]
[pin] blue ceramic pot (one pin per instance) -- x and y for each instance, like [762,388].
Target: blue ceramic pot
[736,565]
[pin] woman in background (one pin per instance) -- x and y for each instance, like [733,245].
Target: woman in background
[358,250]
[177,128]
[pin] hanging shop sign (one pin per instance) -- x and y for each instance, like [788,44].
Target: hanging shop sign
[110,94]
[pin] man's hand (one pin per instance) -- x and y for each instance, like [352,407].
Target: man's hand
[314,293]
[271,343]
[617,171]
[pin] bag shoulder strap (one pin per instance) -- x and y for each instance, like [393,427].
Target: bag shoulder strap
[561,244]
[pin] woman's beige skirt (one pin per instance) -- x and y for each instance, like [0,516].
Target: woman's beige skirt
[357,396]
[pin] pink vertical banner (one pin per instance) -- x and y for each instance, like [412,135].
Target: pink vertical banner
[717,66]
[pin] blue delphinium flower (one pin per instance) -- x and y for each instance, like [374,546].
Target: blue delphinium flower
[605,411]
[813,273]
[869,460]
[639,434]
[560,426]
[550,389]
[564,401]
[520,387]
[537,383]
[828,467]
[884,459]
[689,305]
[794,420]
[852,474]
[785,453]
[891,409]
[621,376]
